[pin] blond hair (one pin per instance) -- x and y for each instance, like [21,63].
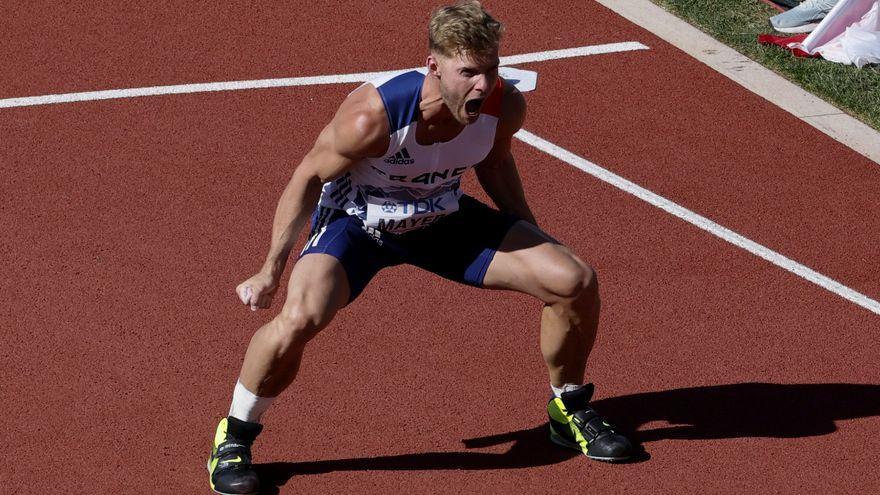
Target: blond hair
[464,28]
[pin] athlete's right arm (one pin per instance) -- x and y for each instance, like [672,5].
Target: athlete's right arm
[359,129]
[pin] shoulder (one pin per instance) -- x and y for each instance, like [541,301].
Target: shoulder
[513,110]
[360,126]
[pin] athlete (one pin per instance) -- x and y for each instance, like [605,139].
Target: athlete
[385,176]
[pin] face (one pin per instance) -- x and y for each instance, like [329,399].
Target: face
[464,83]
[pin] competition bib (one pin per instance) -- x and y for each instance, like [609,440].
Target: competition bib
[402,215]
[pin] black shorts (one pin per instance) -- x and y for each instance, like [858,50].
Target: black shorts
[459,246]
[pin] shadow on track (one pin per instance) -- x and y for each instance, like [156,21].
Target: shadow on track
[528,448]
[742,410]
[699,413]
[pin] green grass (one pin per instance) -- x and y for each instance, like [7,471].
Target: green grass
[737,23]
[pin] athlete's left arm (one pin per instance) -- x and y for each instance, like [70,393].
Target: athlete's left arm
[497,172]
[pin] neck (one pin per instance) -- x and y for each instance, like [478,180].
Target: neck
[432,107]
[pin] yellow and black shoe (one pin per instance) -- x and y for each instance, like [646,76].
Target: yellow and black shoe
[229,467]
[576,425]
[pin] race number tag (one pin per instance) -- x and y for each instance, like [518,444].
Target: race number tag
[402,215]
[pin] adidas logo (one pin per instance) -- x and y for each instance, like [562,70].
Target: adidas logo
[400,158]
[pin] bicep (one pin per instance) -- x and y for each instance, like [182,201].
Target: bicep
[356,131]
[325,161]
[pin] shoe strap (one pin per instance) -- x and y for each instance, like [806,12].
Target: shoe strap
[591,424]
[228,450]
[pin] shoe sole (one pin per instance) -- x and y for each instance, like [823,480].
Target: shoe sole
[563,442]
[218,491]
[805,28]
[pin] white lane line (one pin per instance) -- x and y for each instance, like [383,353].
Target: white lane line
[582,51]
[111,94]
[295,81]
[700,221]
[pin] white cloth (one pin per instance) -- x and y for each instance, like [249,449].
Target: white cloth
[850,34]
[859,44]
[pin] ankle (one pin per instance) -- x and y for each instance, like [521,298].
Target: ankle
[247,406]
[242,431]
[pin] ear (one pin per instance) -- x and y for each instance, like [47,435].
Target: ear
[433,65]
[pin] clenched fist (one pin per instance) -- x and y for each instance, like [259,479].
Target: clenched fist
[257,291]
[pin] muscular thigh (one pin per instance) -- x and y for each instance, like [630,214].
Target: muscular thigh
[318,287]
[530,261]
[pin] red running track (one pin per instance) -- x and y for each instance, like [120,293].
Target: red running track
[128,223]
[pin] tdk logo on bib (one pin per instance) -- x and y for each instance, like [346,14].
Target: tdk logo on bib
[397,215]
[400,158]
[416,207]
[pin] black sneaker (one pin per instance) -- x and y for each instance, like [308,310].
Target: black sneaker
[576,425]
[229,466]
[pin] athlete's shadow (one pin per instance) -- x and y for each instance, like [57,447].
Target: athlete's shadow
[743,410]
[700,413]
[528,448]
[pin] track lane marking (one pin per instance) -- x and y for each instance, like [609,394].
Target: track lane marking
[112,94]
[699,221]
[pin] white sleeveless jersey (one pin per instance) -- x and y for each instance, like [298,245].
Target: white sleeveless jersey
[412,185]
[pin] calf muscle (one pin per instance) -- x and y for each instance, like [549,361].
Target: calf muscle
[318,288]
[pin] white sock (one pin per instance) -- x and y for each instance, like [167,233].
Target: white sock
[568,387]
[246,406]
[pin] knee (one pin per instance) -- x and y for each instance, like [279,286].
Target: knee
[296,325]
[573,282]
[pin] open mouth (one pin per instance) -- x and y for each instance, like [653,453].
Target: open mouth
[472,107]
